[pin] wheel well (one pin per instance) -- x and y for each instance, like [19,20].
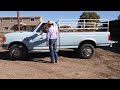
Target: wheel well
[88,42]
[20,43]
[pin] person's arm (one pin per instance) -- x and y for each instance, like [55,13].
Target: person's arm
[48,36]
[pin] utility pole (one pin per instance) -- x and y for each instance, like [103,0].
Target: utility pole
[18,16]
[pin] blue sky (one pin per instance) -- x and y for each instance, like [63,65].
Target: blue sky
[55,15]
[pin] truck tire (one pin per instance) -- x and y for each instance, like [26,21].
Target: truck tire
[17,52]
[86,51]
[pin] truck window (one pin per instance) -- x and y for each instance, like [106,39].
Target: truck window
[40,29]
[45,28]
[35,27]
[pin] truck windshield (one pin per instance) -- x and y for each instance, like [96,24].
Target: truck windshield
[35,27]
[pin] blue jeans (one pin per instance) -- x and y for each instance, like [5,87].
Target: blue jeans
[52,48]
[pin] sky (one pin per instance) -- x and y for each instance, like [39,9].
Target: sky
[56,15]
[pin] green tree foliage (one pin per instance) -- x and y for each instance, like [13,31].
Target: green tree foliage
[89,15]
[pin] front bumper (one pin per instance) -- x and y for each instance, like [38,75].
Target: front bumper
[5,46]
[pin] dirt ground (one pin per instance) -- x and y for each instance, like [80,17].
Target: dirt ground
[104,65]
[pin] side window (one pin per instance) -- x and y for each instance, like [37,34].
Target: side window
[40,29]
[45,28]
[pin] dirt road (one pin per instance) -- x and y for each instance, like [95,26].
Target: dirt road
[104,65]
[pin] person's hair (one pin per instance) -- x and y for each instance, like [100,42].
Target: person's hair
[50,24]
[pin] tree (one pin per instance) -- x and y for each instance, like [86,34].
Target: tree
[89,15]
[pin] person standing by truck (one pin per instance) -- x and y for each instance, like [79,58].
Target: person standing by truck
[52,35]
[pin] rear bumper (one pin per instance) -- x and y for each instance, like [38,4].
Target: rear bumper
[111,42]
[5,46]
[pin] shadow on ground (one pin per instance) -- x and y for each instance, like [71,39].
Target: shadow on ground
[115,48]
[35,56]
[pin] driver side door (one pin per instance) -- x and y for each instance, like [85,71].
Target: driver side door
[39,40]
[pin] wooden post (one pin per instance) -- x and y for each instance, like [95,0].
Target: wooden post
[18,20]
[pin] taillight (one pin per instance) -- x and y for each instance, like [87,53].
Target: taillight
[3,39]
[109,37]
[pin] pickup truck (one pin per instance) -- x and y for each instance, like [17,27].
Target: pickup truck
[21,43]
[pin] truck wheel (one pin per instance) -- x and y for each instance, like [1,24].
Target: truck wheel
[86,51]
[17,52]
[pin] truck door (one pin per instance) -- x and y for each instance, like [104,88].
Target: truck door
[39,42]
[38,39]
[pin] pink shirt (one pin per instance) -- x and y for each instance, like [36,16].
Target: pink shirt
[52,33]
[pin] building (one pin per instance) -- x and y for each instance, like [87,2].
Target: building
[26,23]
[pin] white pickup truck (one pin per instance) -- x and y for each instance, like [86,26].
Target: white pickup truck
[83,36]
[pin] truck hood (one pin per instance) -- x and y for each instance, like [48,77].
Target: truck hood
[19,34]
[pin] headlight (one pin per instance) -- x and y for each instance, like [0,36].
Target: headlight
[3,39]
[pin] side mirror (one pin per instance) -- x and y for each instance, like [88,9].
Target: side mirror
[39,33]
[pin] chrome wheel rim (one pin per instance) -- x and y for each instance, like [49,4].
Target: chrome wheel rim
[16,52]
[87,51]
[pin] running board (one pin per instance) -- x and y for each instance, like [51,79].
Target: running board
[38,51]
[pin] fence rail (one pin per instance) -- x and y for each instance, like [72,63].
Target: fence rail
[84,24]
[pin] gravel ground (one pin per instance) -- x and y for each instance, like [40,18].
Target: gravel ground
[104,65]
